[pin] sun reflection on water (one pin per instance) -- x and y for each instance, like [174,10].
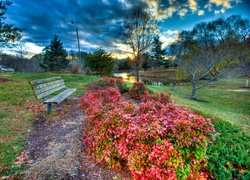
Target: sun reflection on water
[126,77]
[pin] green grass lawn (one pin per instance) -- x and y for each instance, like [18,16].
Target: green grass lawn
[16,96]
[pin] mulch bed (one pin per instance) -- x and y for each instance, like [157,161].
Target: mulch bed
[3,80]
[55,149]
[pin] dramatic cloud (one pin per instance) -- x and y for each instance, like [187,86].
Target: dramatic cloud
[182,12]
[169,37]
[222,4]
[193,5]
[160,11]
[99,21]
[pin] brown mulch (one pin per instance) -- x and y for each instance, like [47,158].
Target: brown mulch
[55,149]
[3,80]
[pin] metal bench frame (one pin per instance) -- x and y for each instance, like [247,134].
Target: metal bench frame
[45,87]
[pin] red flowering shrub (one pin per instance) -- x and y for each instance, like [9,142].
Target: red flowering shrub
[156,139]
[138,91]
[158,97]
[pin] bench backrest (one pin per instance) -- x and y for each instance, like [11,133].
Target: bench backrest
[45,87]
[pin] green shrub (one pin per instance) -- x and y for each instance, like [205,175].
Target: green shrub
[229,156]
[124,89]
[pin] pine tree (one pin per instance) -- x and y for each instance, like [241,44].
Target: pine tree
[54,56]
[101,62]
[158,51]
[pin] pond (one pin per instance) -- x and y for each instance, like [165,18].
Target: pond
[128,77]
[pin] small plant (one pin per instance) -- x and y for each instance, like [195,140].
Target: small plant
[74,69]
[138,91]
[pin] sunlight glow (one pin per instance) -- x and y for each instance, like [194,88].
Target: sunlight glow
[34,48]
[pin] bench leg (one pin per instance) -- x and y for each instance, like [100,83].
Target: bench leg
[49,108]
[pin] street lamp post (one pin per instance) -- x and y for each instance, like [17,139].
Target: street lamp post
[79,51]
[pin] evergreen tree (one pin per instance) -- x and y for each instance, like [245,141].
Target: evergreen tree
[54,56]
[45,57]
[158,51]
[101,62]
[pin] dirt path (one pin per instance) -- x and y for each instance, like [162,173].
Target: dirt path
[55,149]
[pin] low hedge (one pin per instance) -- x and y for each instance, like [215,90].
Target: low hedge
[229,156]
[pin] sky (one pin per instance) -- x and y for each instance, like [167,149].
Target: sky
[98,21]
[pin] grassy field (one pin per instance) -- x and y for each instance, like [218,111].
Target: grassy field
[225,100]
[17,112]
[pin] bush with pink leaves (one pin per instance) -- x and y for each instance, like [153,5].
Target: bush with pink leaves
[155,139]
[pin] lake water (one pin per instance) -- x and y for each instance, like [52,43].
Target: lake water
[127,77]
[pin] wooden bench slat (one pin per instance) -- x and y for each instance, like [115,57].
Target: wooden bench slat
[41,81]
[40,96]
[60,97]
[44,89]
[48,84]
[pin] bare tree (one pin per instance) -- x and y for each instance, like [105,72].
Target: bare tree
[139,29]
[210,50]
[22,52]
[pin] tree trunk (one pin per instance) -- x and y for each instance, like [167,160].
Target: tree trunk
[246,83]
[193,91]
[137,72]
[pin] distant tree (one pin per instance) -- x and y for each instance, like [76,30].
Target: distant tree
[8,32]
[100,62]
[147,61]
[73,55]
[210,49]
[34,62]
[139,31]
[158,51]
[54,56]
[45,60]
[22,53]
[244,63]
[84,56]
[123,64]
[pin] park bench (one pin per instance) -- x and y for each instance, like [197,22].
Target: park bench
[44,88]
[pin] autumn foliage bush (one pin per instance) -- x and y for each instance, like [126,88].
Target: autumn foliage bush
[155,139]
[138,91]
